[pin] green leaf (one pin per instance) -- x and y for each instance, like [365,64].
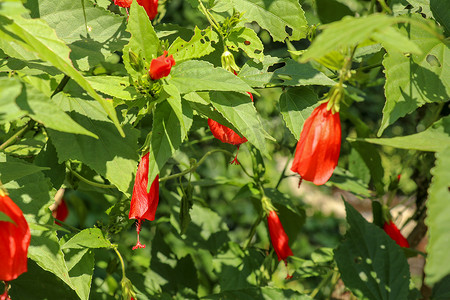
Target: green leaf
[350,31]
[205,108]
[87,238]
[143,41]
[370,158]
[441,13]
[10,89]
[438,217]
[297,74]
[91,32]
[246,39]
[14,169]
[370,261]
[111,155]
[256,73]
[436,138]
[193,76]
[199,45]
[37,283]
[48,157]
[282,18]
[36,36]
[80,264]
[257,293]
[10,8]
[42,109]
[115,86]
[167,134]
[332,10]
[31,194]
[412,81]
[346,181]
[296,105]
[5,218]
[239,110]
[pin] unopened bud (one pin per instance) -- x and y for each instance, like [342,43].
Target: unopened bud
[135,61]
[228,62]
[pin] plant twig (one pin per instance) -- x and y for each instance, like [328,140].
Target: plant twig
[90,182]
[18,135]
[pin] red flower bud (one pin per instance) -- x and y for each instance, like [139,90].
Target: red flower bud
[61,212]
[391,229]
[123,3]
[150,6]
[227,135]
[278,236]
[318,148]
[143,205]
[160,67]
[14,241]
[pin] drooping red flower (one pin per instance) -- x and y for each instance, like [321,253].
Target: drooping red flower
[318,148]
[160,67]
[61,212]
[279,238]
[150,6]
[391,229]
[123,3]
[227,135]
[14,240]
[143,205]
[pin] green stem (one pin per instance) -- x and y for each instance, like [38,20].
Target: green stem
[18,135]
[253,229]
[213,23]
[321,284]
[282,176]
[386,8]
[70,227]
[61,85]
[196,165]
[121,260]
[93,183]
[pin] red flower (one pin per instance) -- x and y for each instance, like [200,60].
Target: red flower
[319,145]
[278,236]
[160,67]
[391,229]
[227,135]
[150,6]
[14,241]
[143,205]
[123,3]
[61,212]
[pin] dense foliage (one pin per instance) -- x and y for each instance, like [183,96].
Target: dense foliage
[89,89]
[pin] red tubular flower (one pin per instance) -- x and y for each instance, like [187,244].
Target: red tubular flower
[160,67]
[150,6]
[14,240]
[143,205]
[61,212]
[227,135]
[391,229]
[123,3]
[318,148]
[279,238]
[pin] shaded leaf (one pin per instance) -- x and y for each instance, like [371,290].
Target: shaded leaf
[370,261]
[436,138]
[296,105]
[412,81]
[438,218]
